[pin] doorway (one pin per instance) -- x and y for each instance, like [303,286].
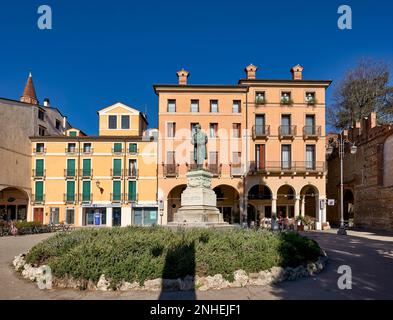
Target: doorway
[39,215]
[116,217]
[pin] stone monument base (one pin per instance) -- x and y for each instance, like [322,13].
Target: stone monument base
[199,204]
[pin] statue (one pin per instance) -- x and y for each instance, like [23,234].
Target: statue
[199,140]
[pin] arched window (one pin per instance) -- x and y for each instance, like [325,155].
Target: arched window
[388,162]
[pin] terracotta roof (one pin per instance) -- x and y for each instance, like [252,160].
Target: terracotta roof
[29,94]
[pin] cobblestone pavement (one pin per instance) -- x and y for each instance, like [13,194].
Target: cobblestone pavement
[370,255]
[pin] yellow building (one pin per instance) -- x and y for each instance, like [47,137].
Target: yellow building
[109,179]
[266,145]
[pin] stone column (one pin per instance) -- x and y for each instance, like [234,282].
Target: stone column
[274,205]
[109,217]
[323,210]
[78,212]
[303,206]
[297,203]
[318,224]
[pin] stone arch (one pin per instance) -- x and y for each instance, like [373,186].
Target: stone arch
[228,202]
[349,202]
[286,197]
[260,192]
[14,204]
[173,200]
[309,206]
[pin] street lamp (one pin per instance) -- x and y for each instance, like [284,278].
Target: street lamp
[340,144]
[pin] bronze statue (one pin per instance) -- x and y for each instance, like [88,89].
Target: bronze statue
[199,140]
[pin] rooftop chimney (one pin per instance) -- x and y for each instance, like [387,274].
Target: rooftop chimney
[297,72]
[182,75]
[46,102]
[29,95]
[251,71]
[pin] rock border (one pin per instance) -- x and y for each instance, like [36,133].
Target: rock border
[216,282]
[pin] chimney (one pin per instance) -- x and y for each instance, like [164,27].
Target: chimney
[251,71]
[65,123]
[46,102]
[297,72]
[29,95]
[182,75]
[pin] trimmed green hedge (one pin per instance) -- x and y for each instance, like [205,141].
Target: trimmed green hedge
[139,254]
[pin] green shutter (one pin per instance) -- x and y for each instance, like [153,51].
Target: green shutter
[117,147]
[72,133]
[39,167]
[117,167]
[133,148]
[70,167]
[86,167]
[117,190]
[70,190]
[132,190]
[86,191]
[39,191]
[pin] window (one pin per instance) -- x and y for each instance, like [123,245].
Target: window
[41,131]
[144,216]
[214,106]
[70,168]
[213,130]
[39,191]
[73,133]
[132,168]
[112,122]
[70,195]
[41,114]
[116,196]
[310,125]
[236,106]
[133,148]
[54,215]
[194,105]
[170,157]
[286,125]
[39,148]
[236,130]
[236,158]
[286,97]
[87,148]
[171,105]
[125,122]
[116,167]
[193,124]
[86,187]
[260,128]
[260,162]
[117,147]
[39,167]
[310,97]
[260,97]
[70,216]
[286,157]
[170,129]
[132,190]
[86,168]
[58,124]
[116,217]
[310,157]
[71,147]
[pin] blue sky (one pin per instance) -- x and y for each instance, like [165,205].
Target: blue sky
[100,52]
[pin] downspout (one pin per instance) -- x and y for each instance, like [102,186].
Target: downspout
[124,172]
[77,180]
[246,170]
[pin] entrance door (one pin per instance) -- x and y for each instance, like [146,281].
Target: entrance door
[116,217]
[260,156]
[227,214]
[11,212]
[39,215]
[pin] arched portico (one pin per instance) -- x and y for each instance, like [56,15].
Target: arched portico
[174,201]
[286,200]
[228,203]
[261,203]
[309,202]
[349,202]
[14,204]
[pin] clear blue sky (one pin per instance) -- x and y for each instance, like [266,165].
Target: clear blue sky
[100,52]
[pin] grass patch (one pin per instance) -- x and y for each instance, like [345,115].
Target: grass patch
[139,254]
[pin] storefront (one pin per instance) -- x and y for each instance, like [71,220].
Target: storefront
[94,216]
[144,216]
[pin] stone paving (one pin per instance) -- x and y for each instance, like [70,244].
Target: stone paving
[370,255]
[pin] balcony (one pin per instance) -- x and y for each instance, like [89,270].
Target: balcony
[39,151]
[116,173]
[215,169]
[260,132]
[86,173]
[287,167]
[39,174]
[69,173]
[128,197]
[71,151]
[87,151]
[287,132]
[236,170]
[131,173]
[312,132]
[37,199]
[133,150]
[260,100]
[116,197]
[69,198]
[86,198]
[171,170]
[117,151]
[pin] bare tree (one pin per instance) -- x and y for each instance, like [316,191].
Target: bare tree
[363,90]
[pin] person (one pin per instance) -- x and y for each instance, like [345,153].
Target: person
[14,230]
[280,220]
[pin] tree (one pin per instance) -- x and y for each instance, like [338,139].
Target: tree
[363,90]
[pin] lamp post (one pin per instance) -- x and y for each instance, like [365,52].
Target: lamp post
[340,144]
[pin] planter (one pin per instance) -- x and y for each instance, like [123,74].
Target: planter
[300,227]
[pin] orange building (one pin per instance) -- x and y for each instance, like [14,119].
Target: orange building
[266,145]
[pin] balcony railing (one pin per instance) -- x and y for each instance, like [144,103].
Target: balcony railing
[259,132]
[69,197]
[131,172]
[171,170]
[38,199]
[236,170]
[286,167]
[260,100]
[87,150]
[287,131]
[215,169]
[69,173]
[116,197]
[129,197]
[39,150]
[86,197]
[71,150]
[39,174]
[117,151]
[312,132]
[116,173]
[86,173]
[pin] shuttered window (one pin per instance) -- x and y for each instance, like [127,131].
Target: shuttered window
[132,190]
[39,167]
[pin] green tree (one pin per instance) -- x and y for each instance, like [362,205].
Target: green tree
[364,89]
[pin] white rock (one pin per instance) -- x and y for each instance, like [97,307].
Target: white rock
[241,278]
[154,285]
[125,286]
[103,284]
[19,261]
[277,274]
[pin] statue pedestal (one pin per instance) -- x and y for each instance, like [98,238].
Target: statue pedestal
[198,203]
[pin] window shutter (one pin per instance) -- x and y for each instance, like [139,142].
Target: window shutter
[86,166]
[70,190]
[39,191]
[133,148]
[70,167]
[117,167]
[39,167]
[116,190]
[132,190]
[117,147]
[86,191]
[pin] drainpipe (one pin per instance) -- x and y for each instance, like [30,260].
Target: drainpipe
[246,171]
[77,180]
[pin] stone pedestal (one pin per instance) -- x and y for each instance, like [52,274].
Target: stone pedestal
[198,203]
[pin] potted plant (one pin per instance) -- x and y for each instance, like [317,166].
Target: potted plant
[300,223]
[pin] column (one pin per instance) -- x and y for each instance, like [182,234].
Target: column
[323,210]
[318,224]
[274,205]
[303,206]
[79,213]
[109,217]
[297,205]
